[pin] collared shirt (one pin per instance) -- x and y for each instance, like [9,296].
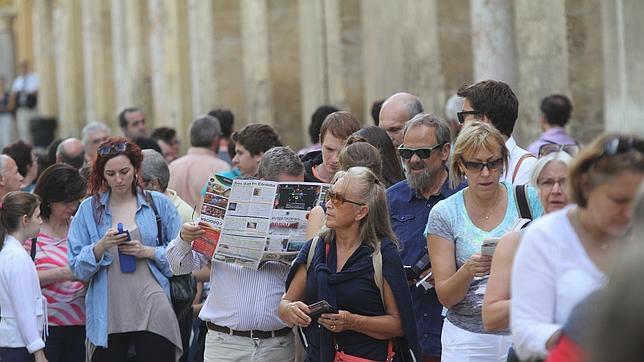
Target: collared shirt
[21,304]
[189,173]
[525,169]
[556,135]
[409,211]
[85,231]
[239,298]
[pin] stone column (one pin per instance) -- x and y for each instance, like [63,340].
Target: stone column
[256,60]
[7,54]
[44,60]
[623,70]
[492,40]
[542,59]
[97,51]
[169,57]
[203,50]
[69,67]
[131,58]
[23,26]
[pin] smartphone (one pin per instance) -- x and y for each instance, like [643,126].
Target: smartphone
[319,308]
[488,246]
[127,262]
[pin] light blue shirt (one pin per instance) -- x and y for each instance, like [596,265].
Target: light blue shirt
[85,231]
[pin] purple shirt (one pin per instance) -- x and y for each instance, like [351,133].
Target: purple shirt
[556,135]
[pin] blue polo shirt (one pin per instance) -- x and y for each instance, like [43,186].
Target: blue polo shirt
[409,212]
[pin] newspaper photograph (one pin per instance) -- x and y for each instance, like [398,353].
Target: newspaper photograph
[213,211]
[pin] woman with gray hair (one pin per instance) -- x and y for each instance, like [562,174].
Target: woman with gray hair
[363,318]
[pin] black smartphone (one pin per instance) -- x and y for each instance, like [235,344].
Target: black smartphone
[319,308]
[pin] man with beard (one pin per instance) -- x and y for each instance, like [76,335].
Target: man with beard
[424,150]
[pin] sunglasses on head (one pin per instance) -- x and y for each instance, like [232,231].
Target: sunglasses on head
[461,115]
[107,149]
[619,145]
[424,152]
[548,148]
[337,199]
[479,166]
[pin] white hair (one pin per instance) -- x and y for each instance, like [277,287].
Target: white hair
[91,128]
[454,105]
[543,162]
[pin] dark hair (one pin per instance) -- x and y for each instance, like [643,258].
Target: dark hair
[340,124]
[317,118]
[556,109]
[361,153]
[257,138]
[97,183]
[392,171]
[21,154]
[15,205]
[59,183]
[496,100]
[145,143]
[52,150]
[375,111]
[122,120]
[165,134]
[226,120]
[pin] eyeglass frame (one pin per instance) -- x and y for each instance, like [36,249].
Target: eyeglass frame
[614,146]
[107,149]
[414,151]
[340,199]
[461,115]
[560,147]
[481,165]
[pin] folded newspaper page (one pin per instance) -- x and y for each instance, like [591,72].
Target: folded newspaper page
[263,220]
[213,210]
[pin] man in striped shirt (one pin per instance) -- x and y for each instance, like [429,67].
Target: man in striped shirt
[241,307]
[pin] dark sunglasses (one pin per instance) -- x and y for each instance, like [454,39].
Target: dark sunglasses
[478,166]
[548,148]
[424,153]
[107,149]
[337,199]
[619,145]
[461,115]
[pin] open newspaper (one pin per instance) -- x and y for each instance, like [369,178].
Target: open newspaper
[256,221]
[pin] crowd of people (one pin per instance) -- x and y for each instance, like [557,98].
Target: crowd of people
[439,239]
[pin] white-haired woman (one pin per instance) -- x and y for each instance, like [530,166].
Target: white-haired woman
[342,273]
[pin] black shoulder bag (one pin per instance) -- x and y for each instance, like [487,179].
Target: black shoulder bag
[182,287]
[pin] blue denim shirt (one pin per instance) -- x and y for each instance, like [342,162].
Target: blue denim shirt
[85,231]
[409,212]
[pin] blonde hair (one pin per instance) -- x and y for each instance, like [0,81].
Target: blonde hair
[375,226]
[475,136]
[596,166]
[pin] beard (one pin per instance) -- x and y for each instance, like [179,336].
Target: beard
[418,181]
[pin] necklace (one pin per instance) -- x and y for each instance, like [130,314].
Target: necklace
[585,231]
[488,210]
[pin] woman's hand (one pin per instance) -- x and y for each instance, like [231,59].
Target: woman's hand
[479,265]
[295,313]
[110,239]
[134,247]
[190,231]
[39,356]
[337,322]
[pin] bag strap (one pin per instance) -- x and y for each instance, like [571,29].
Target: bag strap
[309,257]
[521,197]
[516,169]
[32,252]
[157,217]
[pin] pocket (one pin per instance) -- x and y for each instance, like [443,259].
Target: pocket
[402,218]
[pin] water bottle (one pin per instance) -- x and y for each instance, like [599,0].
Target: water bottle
[128,262]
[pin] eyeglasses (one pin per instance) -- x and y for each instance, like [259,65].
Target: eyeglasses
[461,115]
[336,199]
[478,166]
[424,153]
[619,145]
[107,149]
[549,183]
[548,148]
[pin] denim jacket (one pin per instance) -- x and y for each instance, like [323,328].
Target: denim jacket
[85,231]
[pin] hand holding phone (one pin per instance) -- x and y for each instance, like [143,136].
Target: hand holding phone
[319,308]
[488,246]
[128,262]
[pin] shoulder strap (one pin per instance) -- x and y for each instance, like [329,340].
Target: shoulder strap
[521,197]
[32,252]
[157,217]
[377,274]
[516,169]
[309,257]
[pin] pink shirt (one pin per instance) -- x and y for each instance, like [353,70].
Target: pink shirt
[65,300]
[189,174]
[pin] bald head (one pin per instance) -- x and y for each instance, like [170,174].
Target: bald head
[398,109]
[72,152]
[10,178]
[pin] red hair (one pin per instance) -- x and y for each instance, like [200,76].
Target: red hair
[97,182]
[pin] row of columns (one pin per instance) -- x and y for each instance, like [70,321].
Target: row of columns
[275,62]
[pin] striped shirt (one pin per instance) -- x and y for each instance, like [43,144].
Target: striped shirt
[66,299]
[239,298]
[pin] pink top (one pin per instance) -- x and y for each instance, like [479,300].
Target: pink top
[189,174]
[65,300]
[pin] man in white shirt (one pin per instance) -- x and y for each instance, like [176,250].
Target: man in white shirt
[494,102]
[241,307]
[24,96]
